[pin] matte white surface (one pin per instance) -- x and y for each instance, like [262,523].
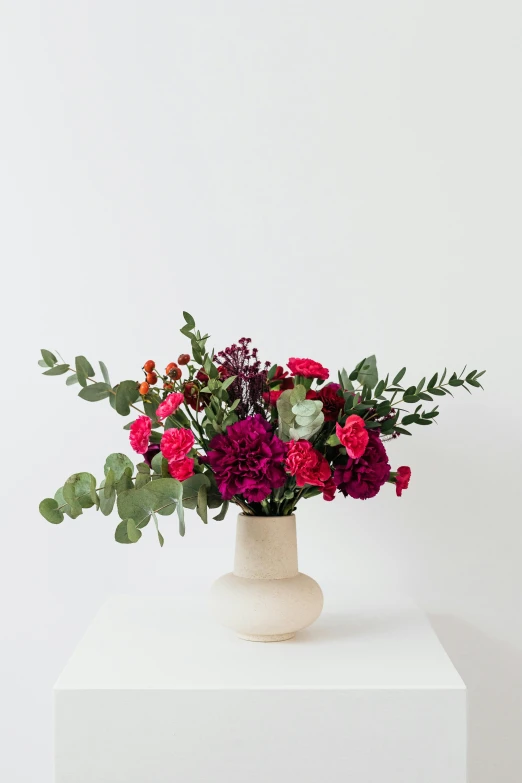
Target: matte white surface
[156,692]
[143,643]
[332,179]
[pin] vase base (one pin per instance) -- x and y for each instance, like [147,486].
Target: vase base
[274,637]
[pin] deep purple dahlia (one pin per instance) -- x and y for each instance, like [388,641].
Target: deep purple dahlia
[248,460]
[362,478]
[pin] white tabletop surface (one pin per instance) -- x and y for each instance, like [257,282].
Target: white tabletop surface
[171,643]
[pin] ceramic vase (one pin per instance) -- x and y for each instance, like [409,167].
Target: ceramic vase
[265,598]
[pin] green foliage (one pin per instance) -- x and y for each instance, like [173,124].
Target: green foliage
[105,373]
[58,369]
[126,394]
[309,419]
[84,370]
[50,510]
[48,357]
[95,392]
[117,463]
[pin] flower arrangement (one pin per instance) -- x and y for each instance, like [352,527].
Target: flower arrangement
[226,428]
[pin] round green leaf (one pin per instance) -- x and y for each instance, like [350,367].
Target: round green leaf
[117,463]
[126,393]
[50,511]
[95,392]
[133,533]
[121,534]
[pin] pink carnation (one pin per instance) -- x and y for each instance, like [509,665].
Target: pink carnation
[181,469]
[306,464]
[176,444]
[169,405]
[308,368]
[353,435]
[140,434]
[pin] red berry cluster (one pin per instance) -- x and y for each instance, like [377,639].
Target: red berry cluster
[172,371]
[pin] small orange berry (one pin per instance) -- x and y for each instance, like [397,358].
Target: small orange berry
[152,378]
[144,387]
[149,366]
[168,386]
[175,374]
[170,367]
[184,358]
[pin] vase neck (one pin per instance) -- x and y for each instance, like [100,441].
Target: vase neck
[266,547]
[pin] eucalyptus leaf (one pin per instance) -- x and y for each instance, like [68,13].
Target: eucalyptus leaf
[224,508]
[133,533]
[107,501]
[126,394]
[191,487]
[105,373]
[58,369]
[49,510]
[48,357]
[95,392]
[71,379]
[117,463]
[65,506]
[368,375]
[167,492]
[121,534]
[160,537]
[135,504]
[202,503]
[84,370]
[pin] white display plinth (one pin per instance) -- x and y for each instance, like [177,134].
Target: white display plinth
[156,693]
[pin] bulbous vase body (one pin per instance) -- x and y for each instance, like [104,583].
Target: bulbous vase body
[265,598]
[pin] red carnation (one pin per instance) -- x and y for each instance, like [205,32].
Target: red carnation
[306,464]
[402,479]
[308,368]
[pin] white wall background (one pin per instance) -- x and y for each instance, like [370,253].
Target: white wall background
[331,179]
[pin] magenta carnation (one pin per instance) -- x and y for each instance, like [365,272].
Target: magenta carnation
[140,434]
[248,460]
[169,405]
[362,478]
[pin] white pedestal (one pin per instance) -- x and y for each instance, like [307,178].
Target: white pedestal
[156,693]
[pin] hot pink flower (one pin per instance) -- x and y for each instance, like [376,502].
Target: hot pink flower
[140,434]
[308,368]
[306,464]
[354,436]
[176,444]
[181,469]
[402,479]
[169,405]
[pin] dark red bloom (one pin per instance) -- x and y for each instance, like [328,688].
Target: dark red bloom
[362,478]
[194,398]
[402,479]
[333,402]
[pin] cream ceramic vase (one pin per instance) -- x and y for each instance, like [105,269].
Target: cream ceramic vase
[265,598]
